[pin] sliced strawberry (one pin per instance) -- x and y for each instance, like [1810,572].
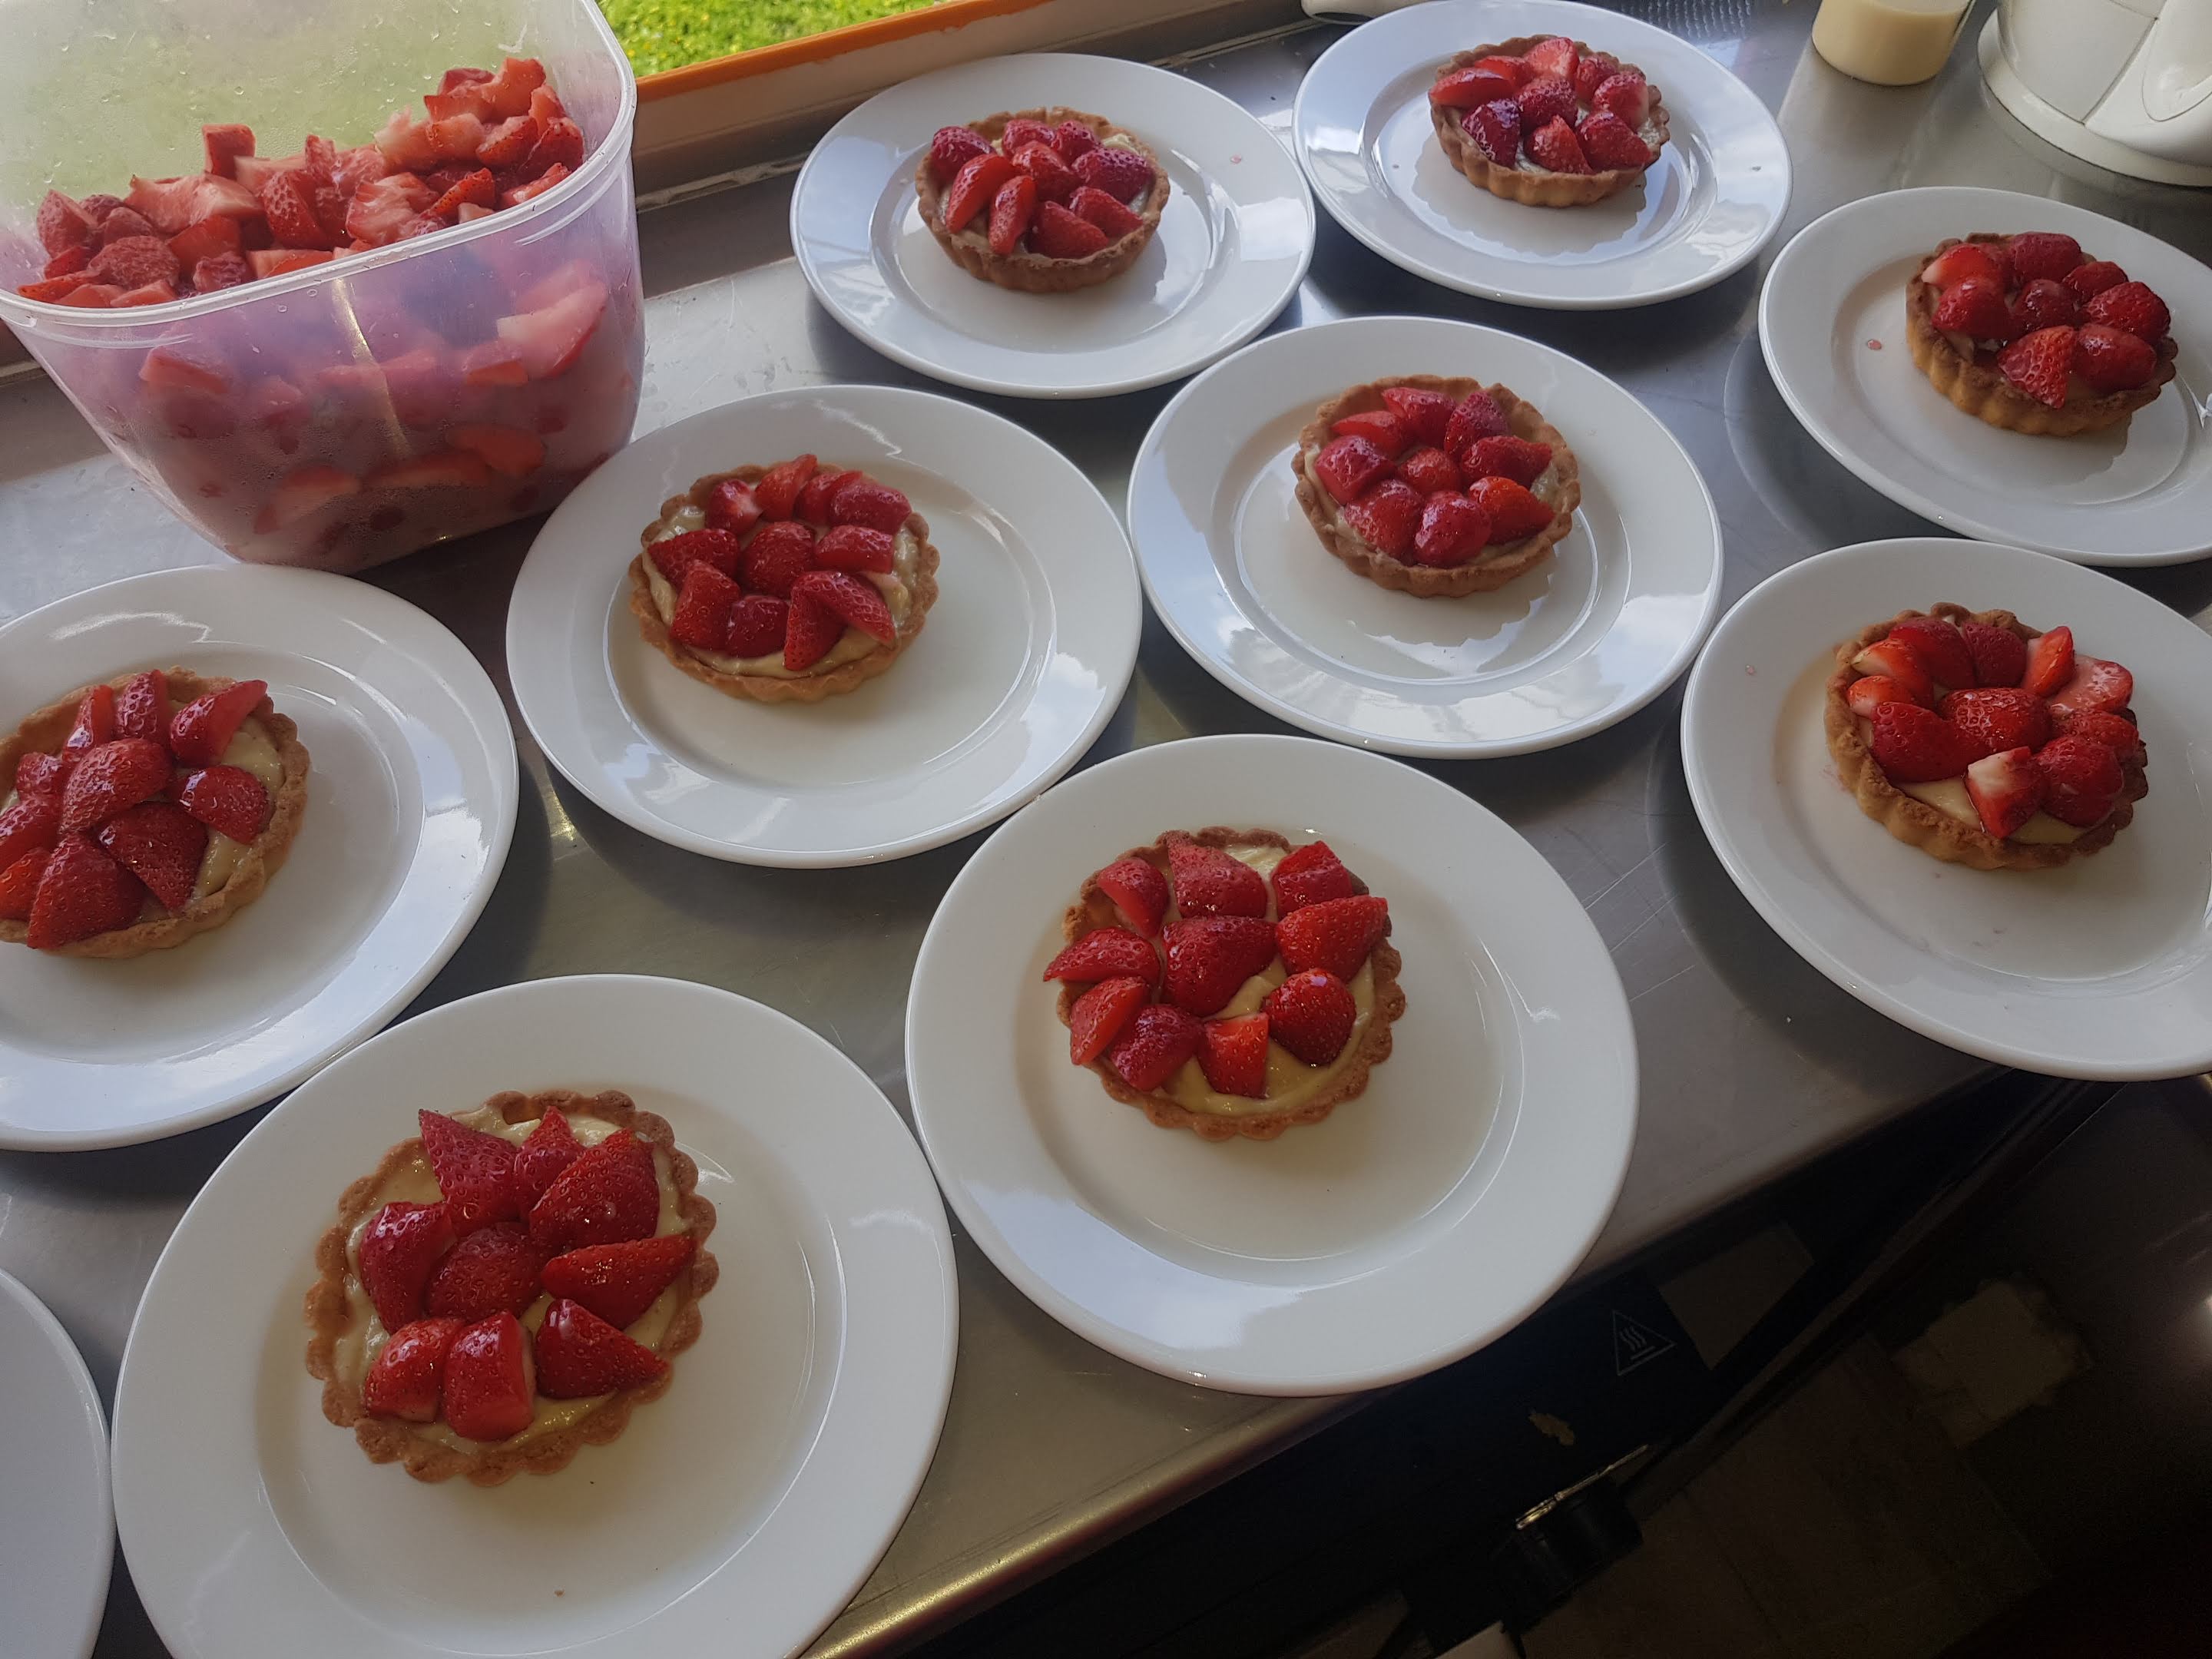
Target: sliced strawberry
[1453,531]
[1106,953]
[777,491]
[701,617]
[1208,882]
[1474,417]
[509,142]
[2050,662]
[1941,648]
[731,506]
[1897,660]
[490,1390]
[855,547]
[1055,179]
[1624,94]
[409,1377]
[1998,718]
[854,601]
[1554,147]
[31,825]
[59,290]
[1347,467]
[62,224]
[1914,745]
[606,1196]
[1976,308]
[493,362]
[2006,789]
[162,844]
[1210,957]
[1098,1017]
[519,86]
[2081,780]
[226,799]
[289,200]
[2038,363]
[619,1282]
[1518,71]
[187,367]
[276,261]
[2000,655]
[1506,457]
[1158,1042]
[1022,131]
[1072,139]
[1138,890]
[974,188]
[1011,209]
[550,1148]
[470,190]
[2116,732]
[1312,874]
[1311,1015]
[1233,1054]
[1496,129]
[123,223]
[813,504]
[1543,100]
[203,727]
[1424,416]
[1378,426]
[549,340]
[435,469]
[862,501]
[1388,517]
[2045,304]
[1869,691]
[1337,935]
[303,491]
[560,144]
[1469,88]
[135,262]
[506,449]
[2087,281]
[46,774]
[1428,470]
[1514,511]
[2042,253]
[81,892]
[19,884]
[399,1249]
[381,206]
[759,623]
[778,555]
[952,148]
[109,777]
[1611,142]
[2095,687]
[153,294]
[580,1355]
[224,270]
[206,238]
[1096,207]
[1060,234]
[1555,56]
[474,1172]
[1956,264]
[95,720]
[2112,359]
[1122,173]
[84,295]
[494,1268]
[170,204]
[1592,70]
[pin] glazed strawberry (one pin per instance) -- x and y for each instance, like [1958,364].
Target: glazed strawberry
[759,623]
[1233,1054]
[1976,308]
[1869,691]
[1496,129]
[606,1196]
[1610,142]
[1425,416]
[1592,70]
[1011,209]
[1469,88]
[1208,882]
[975,187]
[1956,264]
[1914,745]
[2093,278]
[2039,364]
[475,1172]
[1160,1039]
[1624,94]
[1210,957]
[227,798]
[1514,513]
[491,1390]
[1060,234]
[2095,687]
[1101,1014]
[1503,456]
[2116,732]
[777,489]
[1543,100]
[1072,139]
[2109,359]
[1106,953]
[2007,788]
[42,775]
[1054,181]
[674,556]
[19,884]
[952,148]
[1347,467]
[1096,207]
[162,844]
[851,600]
[1312,874]
[855,547]
[95,720]
[2043,303]
[550,1148]
[110,777]
[619,1282]
[1311,1015]
[810,628]
[1474,417]
[1138,890]
[82,891]
[400,1248]
[1023,131]
[408,1375]
[142,707]
[2050,662]
[2000,655]
[580,1355]
[33,824]
[1514,69]
[1388,517]
[493,1269]
[2042,253]
[1554,56]
[874,505]
[2081,780]
[1941,648]
[2130,307]
[1122,173]
[203,727]
[778,555]
[701,617]
[1554,147]
[1337,935]
[1378,426]
[1998,718]
[1453,530]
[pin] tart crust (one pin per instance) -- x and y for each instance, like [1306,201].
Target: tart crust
[1093,909]
[164,930]
[329,1313]
[1544,188]
[1490,568]
[1037,273]
[1983,393]
[1918,824]
[813,686]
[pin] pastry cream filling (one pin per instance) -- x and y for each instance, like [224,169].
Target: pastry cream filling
[895,585]
[1291,1081]
[1949,796]
[364,1337]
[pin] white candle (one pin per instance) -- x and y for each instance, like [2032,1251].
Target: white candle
[1892,43]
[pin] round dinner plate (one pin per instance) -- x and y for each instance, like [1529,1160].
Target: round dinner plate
[737,1514]
[2101,968]
[1714,198]
[1831,324]
[1023,658]
[1231,247]
[410,806]
[1413,1224]
[57,1522]
[1587,638]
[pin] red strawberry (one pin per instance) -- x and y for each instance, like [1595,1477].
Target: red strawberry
[1021,131]
[1469,88]
[2096,687]
[1997,719]
[1346,466]
[731,506]
[207,239]
[606,1196]
[1100,1015]
[1610,142]
[619,1282]
[550,1148]
[1056,180]
[61,290]
[142,707]
[490,1391]
[863,502]
[162,844]
[2112,359]
[1977,307]
[2042,253]
[777,491]
[855,547]
[1011,209]
[1210,957]
[1060,234]
[122,223]
[1516,70]
[1899,661]
[1208,882]
[778,555]
[2038,363]
[1122,173]
[1233,1054]
[1545,99]
[223,271]
[1624,94]
[504,449]
[134,262]
[43,774]
[2000,656]
[275,261]
[1428,469]
[1388,517]
[410,1372]
[474,1172]
[1555,56]
[1138,890]
[1506,457]
[701,617]
[715,549]
[1914,745]
[95,720]
[289,200]
[32,823]
[1496,130]
[152,294]
[203,727]
[1592,70]
[758,626]
[1160,1039]
[580,1355]
[19,884]
[1453,530]
[1312,874]
[227,798]
[1095,205]
[1106,953]
[2045,304]
[952,148]
[1378,426]
[1311,1015]
[810,628]
[2081,779]
[2093,278]
[1955,265]
[1072,139]
[1425,417]
[2116,732]
[1869,691]
[1553,146]
[1337,935]
[855,602]
[62,224]
[1940,646]
[974,187]
[80,892]
[560,144]
[2007,788]
[1474,417]
[399,1249]
[1514,511]
[2050,662]
[110,777]
[494,1268]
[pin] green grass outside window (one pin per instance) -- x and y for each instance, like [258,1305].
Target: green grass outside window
[666,34]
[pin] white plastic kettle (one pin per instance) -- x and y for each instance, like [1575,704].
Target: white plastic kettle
[2124,83]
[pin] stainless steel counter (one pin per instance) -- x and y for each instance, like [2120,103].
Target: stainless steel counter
[1753,1063]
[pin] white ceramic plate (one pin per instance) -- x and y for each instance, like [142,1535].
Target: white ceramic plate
[1715,196]
[1831,323]
[1024,657]
[1231,247]
[1586,639]
[736,1514]
[410,806]
[2100,968]
[1417,1222]
[57,1522]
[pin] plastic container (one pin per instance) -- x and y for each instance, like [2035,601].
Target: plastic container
[309,419]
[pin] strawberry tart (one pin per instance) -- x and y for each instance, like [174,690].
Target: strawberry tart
[785,583]
[1436,487]
[145,810]
[1984,741]
[1229,983]
[507,1287]
[2029,333]
[1546,120]
[1043,200]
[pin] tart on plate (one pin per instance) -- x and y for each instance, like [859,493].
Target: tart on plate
[2030,334]
[788,583]
[1984,741]
[1228,982]
[144,810]
[1548,121]
[1435,486]
[508,1286]
[1043,200]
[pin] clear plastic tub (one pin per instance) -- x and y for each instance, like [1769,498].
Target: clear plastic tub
[311,418]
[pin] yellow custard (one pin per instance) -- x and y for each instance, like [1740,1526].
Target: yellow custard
[252,749]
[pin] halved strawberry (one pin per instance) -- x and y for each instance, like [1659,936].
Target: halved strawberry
[490,1390]
[265,261]
[380,207]
[1060,234]
[1956,264]
[289,200]
[506,449]
[1424,416]
[1555,56]
[1072,139]
[1518,71]
[619,1282]
[1122,173]
[550,340]
[2000,655]
[1378,426]
[1158,1040]
[1138,890]
[1554,147]
[759,623]
[674,556]
[2006,789]
[1022,131]
[1428,469]
[1609,141]
[702,616]
[2038,253]
[1337,935]
[162,844]
[1543,99]
[109,777]
[1388,517]
[38,773]
[1869,691]
[975,187]
[856,603]
[1056,180]
[61,290]
[580,1355]
[1312,874]
[1475,417]
[2095,687]
[952,148]
[1233,1054]
[33,824]
[19,884]
[855,547]
[2087,281]
[61,223]
[95,720]
[1514,511]
[606,1196]
[2112,359]
[1999,718]
[493,1268]
[2045,304]
[222,271]
[777,489]
[1624,93]
[207,239]
[1099,1015]
[1210,957]
[546,1150]
[1208,882]
[1496,129]
[1347,467]
[1914,745]
[810,628]
[1469,88]
[1896,659]
[1106,953]
[226,799]
[2050,662]
[1506,457]
[408,1375]
[134,262]
[518,86]
[80,892]
[1942,650]
[814,503]
[2081,780]
[474,1172]
[2116,732]
[779,554]
[399,1249]
[1011,209]
[304,491]
[1097,207]
[2039,364]
[1453,531]
[509,142]
[731,506]
[1311,1015]
[861,500]
[1976,308]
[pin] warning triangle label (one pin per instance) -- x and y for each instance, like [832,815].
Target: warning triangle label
[1635,1344]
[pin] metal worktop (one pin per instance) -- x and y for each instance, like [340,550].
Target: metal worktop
[1752,1062]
